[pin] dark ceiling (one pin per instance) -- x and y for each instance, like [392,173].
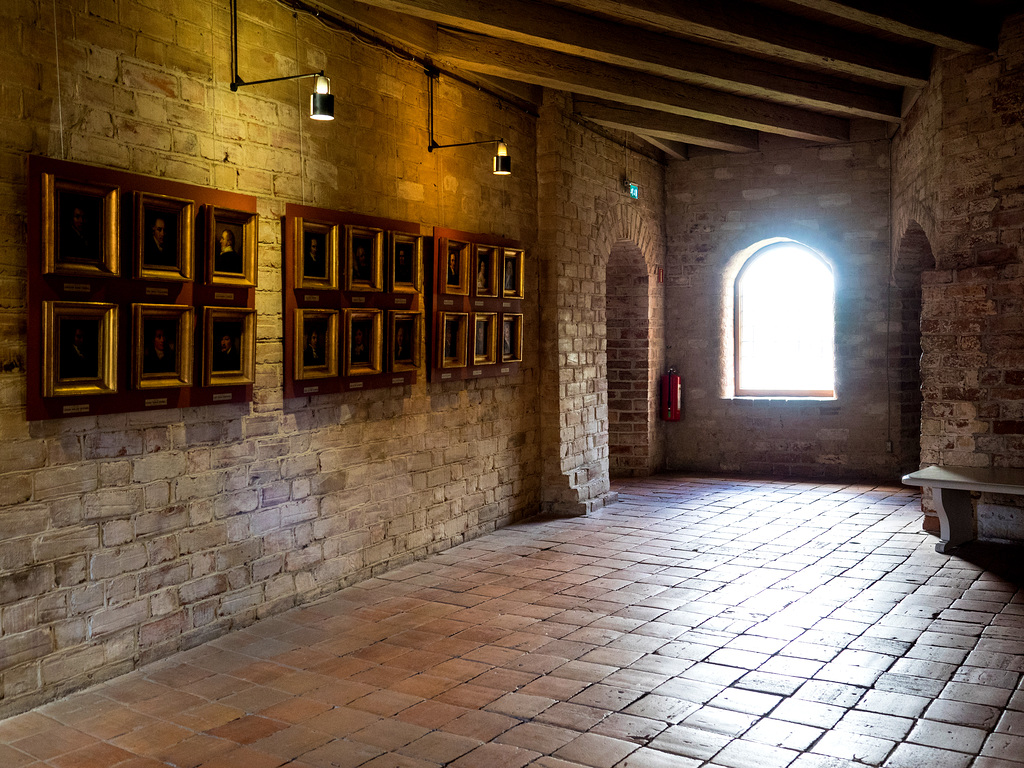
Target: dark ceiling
[725,76]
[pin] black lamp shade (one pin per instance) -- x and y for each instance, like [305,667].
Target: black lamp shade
[502,165]
[321,106]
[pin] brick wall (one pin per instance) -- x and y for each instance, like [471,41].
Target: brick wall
[582,213]
[958,182]
[123,538]
[834,199]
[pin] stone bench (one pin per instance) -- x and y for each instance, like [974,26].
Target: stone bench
[951,492]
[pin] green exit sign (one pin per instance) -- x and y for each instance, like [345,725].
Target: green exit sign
[634,191]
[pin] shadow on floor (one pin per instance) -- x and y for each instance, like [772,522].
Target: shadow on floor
[1001,559]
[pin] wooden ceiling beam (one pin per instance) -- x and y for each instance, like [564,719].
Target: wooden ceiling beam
[946,25]
[755,29]
[575,75]
[555,28]
[663,125]
[673,149]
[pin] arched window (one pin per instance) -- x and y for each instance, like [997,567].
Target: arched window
[785,323]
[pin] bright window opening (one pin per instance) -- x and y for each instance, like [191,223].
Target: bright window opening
[785,324]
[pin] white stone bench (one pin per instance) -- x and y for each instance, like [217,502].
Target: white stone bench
[951,492]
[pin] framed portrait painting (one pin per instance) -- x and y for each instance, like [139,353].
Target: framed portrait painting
[316,343]
[229,346]
[484,338]
[405,263]
[512,274]
[485,269]
[452,349]
[511,338]
[405,333]
[81,226]
[162,345]
[230,247]
[363,336]
[164,234]
[79,348]
[456,268]
[365,254]
[316,254]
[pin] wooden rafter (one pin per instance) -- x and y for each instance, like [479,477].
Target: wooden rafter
[580,76]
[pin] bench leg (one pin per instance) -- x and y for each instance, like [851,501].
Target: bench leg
[956,518]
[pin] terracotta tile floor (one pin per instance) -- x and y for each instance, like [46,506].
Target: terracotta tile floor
[696,622]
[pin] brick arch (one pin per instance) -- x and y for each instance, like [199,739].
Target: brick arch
[912,257]
[635,347]
[622,223]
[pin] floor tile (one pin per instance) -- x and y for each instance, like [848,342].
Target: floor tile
[695,623]
[915,756]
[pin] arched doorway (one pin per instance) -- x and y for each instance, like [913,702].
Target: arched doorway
[914,256]
[629,363]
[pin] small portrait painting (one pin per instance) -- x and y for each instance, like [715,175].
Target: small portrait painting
[161,239]
[80,228]
[511,338]
[363,331]
[163,345]
[164,232]
[79,344]
[453,339]
[404,341]
[484,324]
[79,348]
[231,247]
[485,262]
[229,351]
[227,256]
[406,264]
[161,340]
[362,271]
[315,254]
[316,337]
[512,270]
[313,355]
[456,272]
[362,335]
[365,252]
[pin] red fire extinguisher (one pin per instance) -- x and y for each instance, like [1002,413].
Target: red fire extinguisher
[671,395]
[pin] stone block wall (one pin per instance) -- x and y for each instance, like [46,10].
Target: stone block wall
[583,212]
[958,181]
[126,537]
[834,199]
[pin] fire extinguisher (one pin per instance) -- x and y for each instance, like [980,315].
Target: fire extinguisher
[671,395]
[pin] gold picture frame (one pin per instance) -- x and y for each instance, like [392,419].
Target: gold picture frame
[164,237]
[452,333]
[405,263]
[511,338]
[364,259]
[512,264]
[79,348]
[455,276]
[316,254]
[486,280]
[231,240]
[229,346]
[485,334]
[405,340]
[363,337]
[162,351]
[81,228]
[316,343]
